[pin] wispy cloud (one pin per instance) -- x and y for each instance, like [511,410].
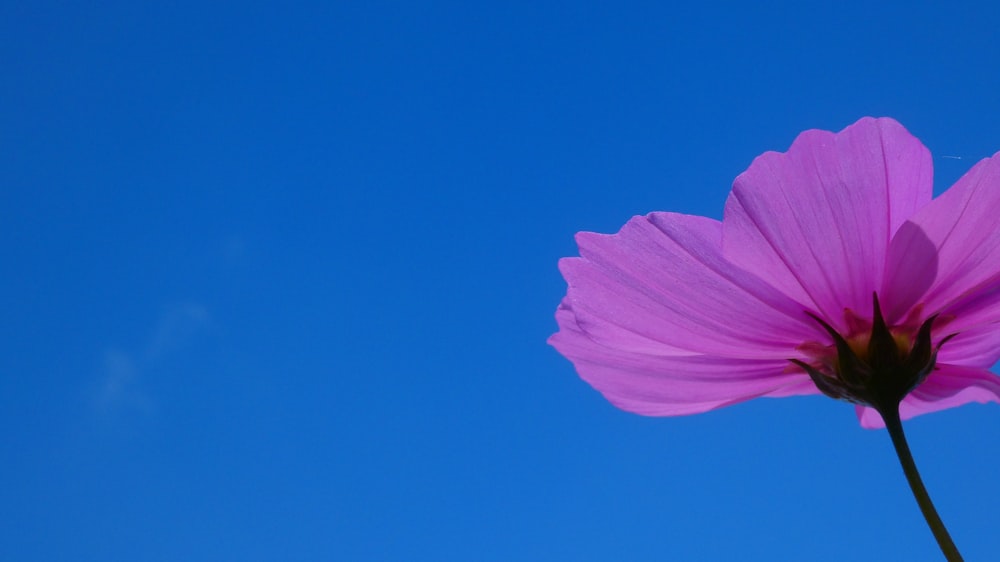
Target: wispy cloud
[176,326]
[121,381]
[119,387]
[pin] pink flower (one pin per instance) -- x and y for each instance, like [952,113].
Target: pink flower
[679,314]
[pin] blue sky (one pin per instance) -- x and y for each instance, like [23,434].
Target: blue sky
[278,278]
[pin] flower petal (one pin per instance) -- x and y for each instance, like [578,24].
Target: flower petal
[668,386]
[660,286]
[974,323]
[947,387]
[954,244]
[979,308]
[976,347]
[815,222]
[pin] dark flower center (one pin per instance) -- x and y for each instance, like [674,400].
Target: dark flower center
[878,370]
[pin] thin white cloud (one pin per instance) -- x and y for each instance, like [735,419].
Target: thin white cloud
[121,381]
[176,326]
[119,386]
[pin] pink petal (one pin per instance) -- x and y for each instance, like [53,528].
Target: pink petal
[947,387]
[660,286]
[974,347]
[953,244]
[815,222]
[975,320]
[667,386]
[980,307]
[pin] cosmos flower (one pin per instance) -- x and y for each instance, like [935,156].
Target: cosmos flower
[833,270]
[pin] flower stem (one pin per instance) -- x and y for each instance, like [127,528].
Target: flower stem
[895,427]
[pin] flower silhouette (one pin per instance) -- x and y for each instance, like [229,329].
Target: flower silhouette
[833,270]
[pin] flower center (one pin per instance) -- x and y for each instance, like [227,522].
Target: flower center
[877,367]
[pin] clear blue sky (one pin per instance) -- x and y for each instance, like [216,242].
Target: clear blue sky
[277,278]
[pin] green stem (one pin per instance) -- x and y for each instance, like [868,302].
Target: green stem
[895,427]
